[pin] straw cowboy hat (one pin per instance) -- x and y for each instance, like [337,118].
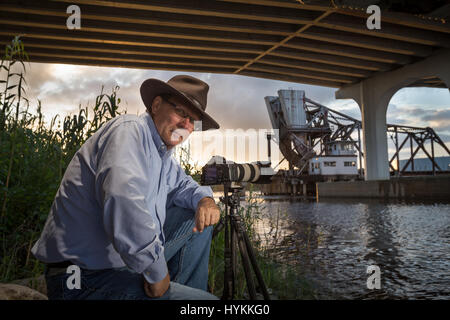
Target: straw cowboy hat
[191,91]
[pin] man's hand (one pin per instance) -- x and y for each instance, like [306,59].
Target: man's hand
[156,290]
[207,214]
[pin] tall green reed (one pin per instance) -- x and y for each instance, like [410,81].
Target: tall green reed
[33,158]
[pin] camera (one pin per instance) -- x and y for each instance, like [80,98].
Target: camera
[220,171]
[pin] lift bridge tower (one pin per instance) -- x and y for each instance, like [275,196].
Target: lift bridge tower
[309,131]
[298,128]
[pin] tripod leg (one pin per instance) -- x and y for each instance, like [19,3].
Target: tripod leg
[245,260]
[228,277]
[258,274]
[233,258]
[219,226]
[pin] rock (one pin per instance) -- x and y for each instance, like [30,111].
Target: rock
[11,291]
[37,284]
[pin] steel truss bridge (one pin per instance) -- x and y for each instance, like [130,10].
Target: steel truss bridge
[326,125]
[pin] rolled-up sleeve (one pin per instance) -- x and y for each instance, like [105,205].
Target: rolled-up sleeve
[185,191]
[123,184]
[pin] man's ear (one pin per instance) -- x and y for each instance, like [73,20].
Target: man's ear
[156,105]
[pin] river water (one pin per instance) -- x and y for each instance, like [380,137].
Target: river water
[334,242]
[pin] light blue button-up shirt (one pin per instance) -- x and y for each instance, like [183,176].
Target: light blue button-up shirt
[110,208]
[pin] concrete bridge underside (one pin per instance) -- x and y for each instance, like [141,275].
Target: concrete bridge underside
[373,96]
[317,42]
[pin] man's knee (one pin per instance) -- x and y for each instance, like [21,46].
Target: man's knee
[206,233]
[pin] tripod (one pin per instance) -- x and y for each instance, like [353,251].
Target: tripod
[236,237]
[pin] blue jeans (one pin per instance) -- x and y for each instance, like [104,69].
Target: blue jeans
[187,256]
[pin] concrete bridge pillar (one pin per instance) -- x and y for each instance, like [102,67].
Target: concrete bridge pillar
[373,101]
[373,96]
[373,105]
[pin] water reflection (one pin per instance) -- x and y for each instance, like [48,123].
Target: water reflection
[335,241]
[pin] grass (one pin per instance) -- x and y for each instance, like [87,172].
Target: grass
[34,156]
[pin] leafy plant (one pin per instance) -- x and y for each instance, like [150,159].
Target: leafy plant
[33,158]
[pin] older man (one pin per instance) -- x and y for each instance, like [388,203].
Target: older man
[126,214]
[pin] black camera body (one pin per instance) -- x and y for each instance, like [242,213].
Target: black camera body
[219,171]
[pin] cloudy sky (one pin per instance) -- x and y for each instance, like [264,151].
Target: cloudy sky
[234,101]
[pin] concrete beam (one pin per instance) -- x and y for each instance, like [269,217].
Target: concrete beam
[362,41]
[302,73]
[270,76]
[437,65]
[331,59]
[319,5]
[133,29]
[403,19]
[314,66]
[96,37]
[210,9]
[387,31]
[373,96]
[347,51]
[129,58]
[70,46]
[126,64]
[283,41]
[54,9]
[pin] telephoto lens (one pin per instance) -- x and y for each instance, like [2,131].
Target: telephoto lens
[219,171]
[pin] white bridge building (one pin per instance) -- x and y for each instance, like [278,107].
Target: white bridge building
[338,162]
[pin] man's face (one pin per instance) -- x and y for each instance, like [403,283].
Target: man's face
[172,127]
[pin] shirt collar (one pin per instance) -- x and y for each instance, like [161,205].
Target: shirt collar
[159,143]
